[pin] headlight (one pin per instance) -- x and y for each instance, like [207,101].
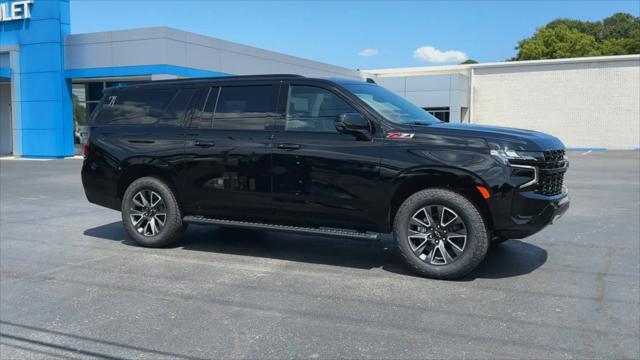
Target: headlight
[524,175]
[507,154]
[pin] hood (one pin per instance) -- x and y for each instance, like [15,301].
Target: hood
[496,137]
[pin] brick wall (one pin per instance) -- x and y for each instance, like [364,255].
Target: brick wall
[593,104]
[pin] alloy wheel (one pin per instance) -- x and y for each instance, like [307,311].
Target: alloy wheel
[148,213]
[437,235]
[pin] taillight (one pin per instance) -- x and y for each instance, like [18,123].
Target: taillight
[85,150]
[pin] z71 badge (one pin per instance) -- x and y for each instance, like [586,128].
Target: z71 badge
[397,135]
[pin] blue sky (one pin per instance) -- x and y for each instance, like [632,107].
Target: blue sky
[358,34]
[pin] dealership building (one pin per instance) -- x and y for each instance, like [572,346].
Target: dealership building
[50,80]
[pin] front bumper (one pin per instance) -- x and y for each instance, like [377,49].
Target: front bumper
[532,212]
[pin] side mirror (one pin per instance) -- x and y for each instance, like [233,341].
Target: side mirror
[354,124]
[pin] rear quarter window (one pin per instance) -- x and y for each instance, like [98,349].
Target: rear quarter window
[149,107]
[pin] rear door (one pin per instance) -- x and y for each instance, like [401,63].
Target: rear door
[322,177]
[228,152]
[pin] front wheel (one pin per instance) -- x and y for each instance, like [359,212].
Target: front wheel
[440,234]
[150,213]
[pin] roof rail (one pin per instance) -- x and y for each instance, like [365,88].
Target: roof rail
[267,75]
[258,76]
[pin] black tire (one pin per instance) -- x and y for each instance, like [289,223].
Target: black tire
[477,240]
[173,227]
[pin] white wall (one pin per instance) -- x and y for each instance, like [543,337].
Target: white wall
[585,104]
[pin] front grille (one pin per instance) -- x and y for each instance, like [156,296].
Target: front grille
[554,155]
[552,173]
[550,184]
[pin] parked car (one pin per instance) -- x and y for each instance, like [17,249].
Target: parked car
[327,157]
[80,134]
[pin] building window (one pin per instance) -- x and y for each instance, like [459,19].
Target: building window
[442,113]
[80,113]
[464,115]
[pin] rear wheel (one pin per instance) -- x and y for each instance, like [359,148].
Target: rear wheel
[150,213]
[440,234]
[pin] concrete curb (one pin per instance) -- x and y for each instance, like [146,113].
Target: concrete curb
[18,158]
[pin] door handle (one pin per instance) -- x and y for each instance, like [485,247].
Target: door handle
[289,146]
[203,143]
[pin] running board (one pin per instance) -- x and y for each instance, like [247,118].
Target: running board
[342,233]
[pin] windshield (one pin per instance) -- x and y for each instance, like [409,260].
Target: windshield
[393,107]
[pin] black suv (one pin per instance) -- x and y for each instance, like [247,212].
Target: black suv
[318,156]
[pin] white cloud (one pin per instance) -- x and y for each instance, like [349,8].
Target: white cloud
[433,55]
[368,52]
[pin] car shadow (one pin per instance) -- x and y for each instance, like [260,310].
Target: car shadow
[113,231]
[510,259]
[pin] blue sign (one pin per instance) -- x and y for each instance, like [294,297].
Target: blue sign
[17,10]
[40,91]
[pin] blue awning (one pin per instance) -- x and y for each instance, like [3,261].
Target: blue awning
[140,70]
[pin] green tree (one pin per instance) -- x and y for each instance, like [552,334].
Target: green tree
[586,27]
[619,26]
[614,47]
[556,43]
[618,34]
[468,61]
[633,42]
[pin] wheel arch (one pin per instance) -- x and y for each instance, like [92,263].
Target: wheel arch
[136,171]
[459,181]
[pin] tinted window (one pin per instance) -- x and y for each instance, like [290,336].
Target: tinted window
[392,106]
[134,107]
[177,108]
[204,118]
[242,107]
[314,109]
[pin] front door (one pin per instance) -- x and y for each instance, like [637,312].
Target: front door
[228,153]
[321,177]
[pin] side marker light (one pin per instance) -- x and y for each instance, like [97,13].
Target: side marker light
[483,191]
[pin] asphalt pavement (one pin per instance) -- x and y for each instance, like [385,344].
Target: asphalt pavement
[73,286]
